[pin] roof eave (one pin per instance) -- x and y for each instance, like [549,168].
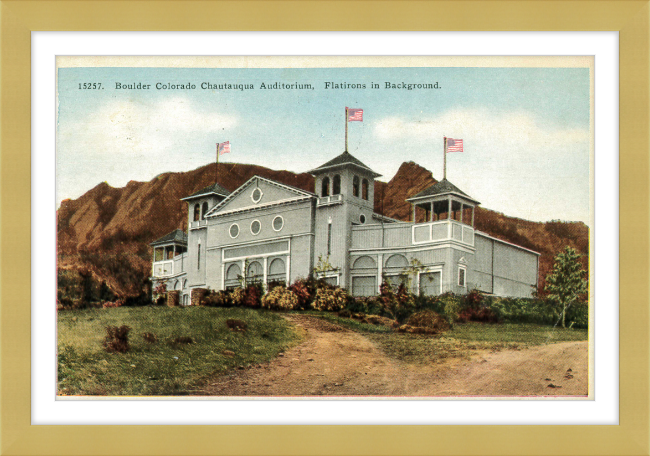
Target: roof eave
[419,198]
[191,197]
[340,165]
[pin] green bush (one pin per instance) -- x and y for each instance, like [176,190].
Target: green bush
[217,299]
[397,305]
[280,298]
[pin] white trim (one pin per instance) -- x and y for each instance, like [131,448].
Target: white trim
[464,268]
[241,244]
[273,223]
[251,227]
[269,181]
[261,206]
[258,199]
[258,255]
[238,231]
[406,249]
[328,275]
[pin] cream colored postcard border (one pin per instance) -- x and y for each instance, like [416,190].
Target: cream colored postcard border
[18,19]
[324,61]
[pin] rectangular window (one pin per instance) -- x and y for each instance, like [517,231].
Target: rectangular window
[329,239]
[198,257]
[461,276]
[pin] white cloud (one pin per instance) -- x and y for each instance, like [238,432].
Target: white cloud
[481,130]
[138,128]
[134,140]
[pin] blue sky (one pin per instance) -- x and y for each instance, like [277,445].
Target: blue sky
[525,130]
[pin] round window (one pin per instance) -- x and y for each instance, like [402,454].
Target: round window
[278,223]
[234,230]
[256,196]
[362,219]
[256,226]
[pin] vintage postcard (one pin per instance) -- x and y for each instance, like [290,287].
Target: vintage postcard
[309,227]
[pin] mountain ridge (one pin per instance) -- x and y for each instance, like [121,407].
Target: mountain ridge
[106,232]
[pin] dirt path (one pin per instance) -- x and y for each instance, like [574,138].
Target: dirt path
[334,361]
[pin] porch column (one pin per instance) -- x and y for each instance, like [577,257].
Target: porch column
[462,206]
[265,275]
[431,219]
[414,206]
[472,216]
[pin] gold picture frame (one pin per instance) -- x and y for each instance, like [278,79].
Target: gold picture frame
[19,18]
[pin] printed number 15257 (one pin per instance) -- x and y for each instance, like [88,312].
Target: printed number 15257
[90,85]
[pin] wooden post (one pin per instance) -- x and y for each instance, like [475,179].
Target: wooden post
[444,163]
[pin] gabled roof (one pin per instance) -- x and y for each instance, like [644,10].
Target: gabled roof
[346,158]
[177,236]
[300,193]
[441,188]
[214,189]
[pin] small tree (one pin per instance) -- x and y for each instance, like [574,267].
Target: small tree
[566,283]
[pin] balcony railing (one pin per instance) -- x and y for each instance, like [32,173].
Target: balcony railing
[330,200]
[163,268]
[442,230]
[198,223]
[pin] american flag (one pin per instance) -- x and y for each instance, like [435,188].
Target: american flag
[355,115]
[223,148]
[454,145]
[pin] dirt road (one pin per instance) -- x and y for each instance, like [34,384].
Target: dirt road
[334,361]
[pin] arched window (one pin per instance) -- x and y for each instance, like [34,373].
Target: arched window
[336,185]
[254,273]
[204,210]
[397,261]
[197,212]
[355,186]
[364,189]
[234,271]
[325,187]
[364,262]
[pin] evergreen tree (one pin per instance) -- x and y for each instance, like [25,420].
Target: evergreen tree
[566,283]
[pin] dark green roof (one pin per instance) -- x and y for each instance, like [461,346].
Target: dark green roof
[346,158]
[210,189]
[441,188]
[178,236]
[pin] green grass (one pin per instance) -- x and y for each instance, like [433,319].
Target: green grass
[85,368]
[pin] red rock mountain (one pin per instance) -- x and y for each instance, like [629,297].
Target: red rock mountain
[107,230]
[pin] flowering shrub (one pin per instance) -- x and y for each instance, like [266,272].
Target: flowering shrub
[118,303]
[253,296]
[280,298]
[399,305]
[302,293]
[330,299]
[237,296]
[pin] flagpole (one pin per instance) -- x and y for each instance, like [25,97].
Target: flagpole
[217,178]
[444,166]
[346,128]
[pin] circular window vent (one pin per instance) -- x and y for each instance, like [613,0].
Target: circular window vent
[256,226]
[256,196]
[234,230]
[362,219]
[278,223]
